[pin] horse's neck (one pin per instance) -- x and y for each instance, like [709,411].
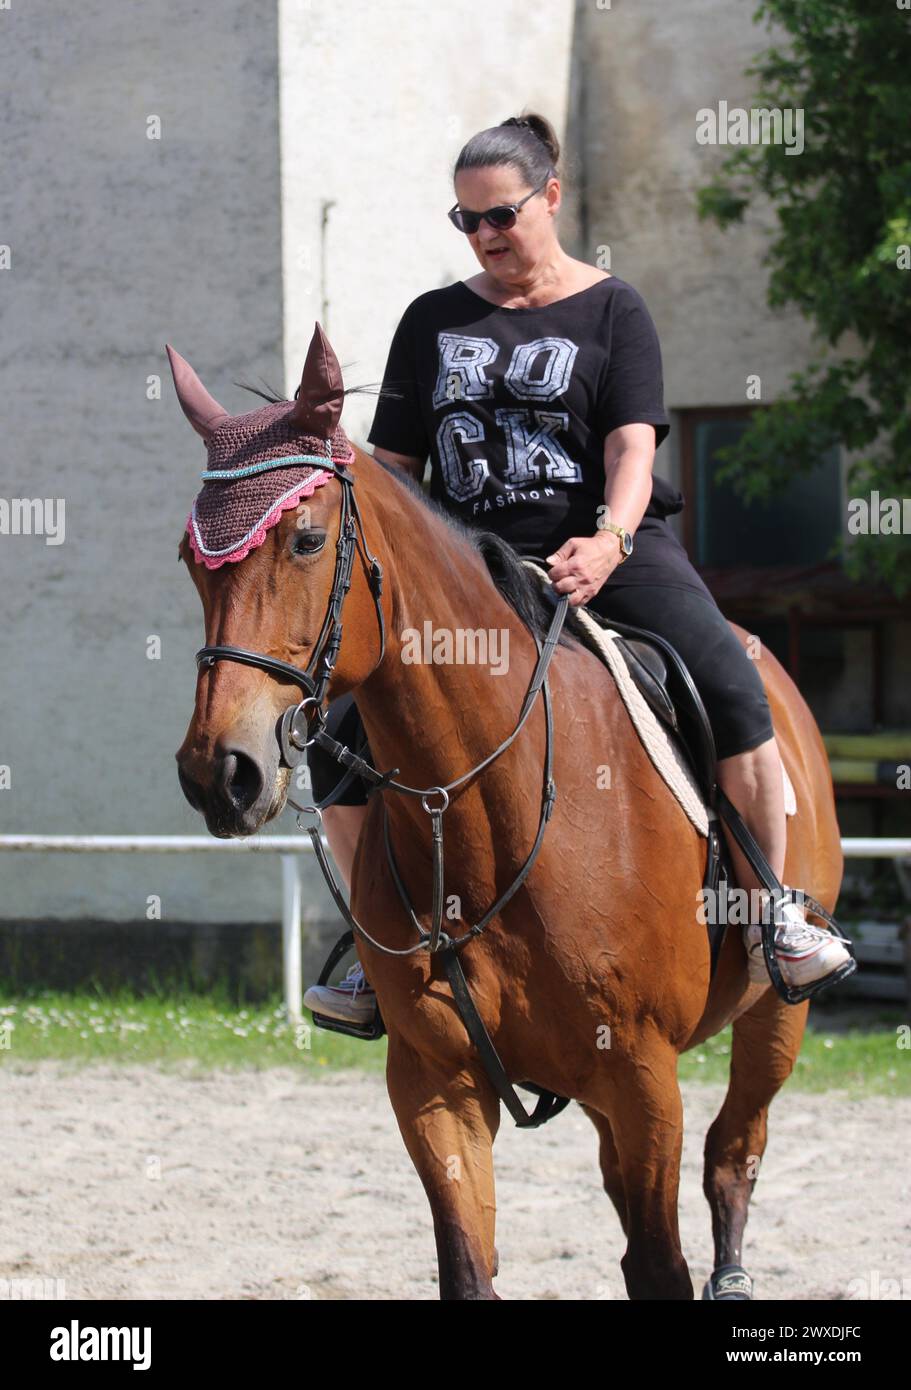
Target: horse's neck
[430,707]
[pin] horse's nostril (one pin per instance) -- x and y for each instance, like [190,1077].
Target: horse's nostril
[240,778]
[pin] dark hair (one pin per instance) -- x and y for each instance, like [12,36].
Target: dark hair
[526,143]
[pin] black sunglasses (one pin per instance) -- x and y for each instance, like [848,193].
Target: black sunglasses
[501,218]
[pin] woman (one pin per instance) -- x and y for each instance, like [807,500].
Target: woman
[536,389]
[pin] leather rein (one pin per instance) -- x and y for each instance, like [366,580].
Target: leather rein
[297,733]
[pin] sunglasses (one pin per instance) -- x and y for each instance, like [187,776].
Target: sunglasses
[500,218]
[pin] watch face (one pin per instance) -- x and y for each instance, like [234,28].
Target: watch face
[626,543]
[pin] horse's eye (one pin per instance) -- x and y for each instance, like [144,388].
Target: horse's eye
[309,542]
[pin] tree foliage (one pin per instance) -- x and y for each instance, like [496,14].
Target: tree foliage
[841,252]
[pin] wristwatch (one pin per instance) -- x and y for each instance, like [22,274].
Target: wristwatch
[626,540]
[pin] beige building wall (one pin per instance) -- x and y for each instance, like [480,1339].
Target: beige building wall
[641,73]
[119,242]
[376,102]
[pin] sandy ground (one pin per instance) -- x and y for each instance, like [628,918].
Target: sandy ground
[137,1183]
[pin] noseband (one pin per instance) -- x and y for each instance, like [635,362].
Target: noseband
[294,731]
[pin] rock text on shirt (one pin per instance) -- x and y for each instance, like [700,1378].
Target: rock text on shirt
[539,371]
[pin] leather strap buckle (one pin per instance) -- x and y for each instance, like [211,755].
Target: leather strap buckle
[294,730]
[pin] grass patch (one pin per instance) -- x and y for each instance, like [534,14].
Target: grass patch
[862,1057]
[171,1030]
[854,1052]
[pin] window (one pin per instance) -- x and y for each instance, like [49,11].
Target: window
[798,527]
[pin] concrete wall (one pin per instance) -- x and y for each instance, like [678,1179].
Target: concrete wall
[212,238]
[641,73]
[376,102]
[119,243]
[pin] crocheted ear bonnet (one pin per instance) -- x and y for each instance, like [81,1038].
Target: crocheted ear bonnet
[265,462]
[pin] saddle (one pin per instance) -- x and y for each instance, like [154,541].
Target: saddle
[660,676]
[664,681]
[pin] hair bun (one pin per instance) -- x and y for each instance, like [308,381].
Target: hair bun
[541,129]
[526,143]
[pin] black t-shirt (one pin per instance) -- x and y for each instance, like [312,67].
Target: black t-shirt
[512,406]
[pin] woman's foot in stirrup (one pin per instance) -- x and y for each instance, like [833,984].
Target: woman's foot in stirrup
[350,1001]
[804,953]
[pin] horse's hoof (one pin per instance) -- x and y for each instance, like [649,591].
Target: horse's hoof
[730,1283]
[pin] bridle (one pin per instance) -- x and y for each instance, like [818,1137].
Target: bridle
[297,733]
[294,731]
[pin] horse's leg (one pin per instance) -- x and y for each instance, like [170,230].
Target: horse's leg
[766,1041]
[646,1114]
[448,1122]
[609,1160]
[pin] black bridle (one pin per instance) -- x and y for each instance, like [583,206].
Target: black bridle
[294,734]
[295,737]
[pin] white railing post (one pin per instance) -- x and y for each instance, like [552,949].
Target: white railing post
[291,937]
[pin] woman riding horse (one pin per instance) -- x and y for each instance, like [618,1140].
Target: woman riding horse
[535,388]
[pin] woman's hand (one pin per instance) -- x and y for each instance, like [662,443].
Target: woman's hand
[583,564]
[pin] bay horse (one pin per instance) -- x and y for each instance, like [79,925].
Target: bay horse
[603,939]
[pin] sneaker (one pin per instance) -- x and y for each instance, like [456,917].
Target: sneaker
[351,1000]
[805,953]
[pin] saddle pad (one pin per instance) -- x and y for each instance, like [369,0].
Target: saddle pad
[665,755]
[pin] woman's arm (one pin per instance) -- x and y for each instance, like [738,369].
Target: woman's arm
[408,462]
[583,564]
[628,456]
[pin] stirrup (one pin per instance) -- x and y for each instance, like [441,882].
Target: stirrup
[791,994]
[796,994]
[369,1032]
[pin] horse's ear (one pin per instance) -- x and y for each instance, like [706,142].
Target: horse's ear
[202,411]
[318,407]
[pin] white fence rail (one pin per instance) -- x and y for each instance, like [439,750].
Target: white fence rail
[289,847]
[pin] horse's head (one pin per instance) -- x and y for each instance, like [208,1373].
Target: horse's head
[261,547]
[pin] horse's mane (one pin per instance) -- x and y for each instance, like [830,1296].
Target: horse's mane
[521,590]
[518,586]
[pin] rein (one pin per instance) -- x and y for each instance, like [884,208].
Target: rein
[295,737]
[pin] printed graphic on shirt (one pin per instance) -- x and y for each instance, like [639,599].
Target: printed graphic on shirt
[512,406]
[462,363]
[531,438]
[539,371]
[463,477]
[524,375]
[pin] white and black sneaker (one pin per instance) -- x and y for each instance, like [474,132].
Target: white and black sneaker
[805,953]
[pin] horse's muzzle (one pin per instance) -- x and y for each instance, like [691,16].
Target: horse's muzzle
[231,789]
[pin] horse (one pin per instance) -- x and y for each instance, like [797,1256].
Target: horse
[595,976]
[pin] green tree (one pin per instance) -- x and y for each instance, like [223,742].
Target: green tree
[841,252]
